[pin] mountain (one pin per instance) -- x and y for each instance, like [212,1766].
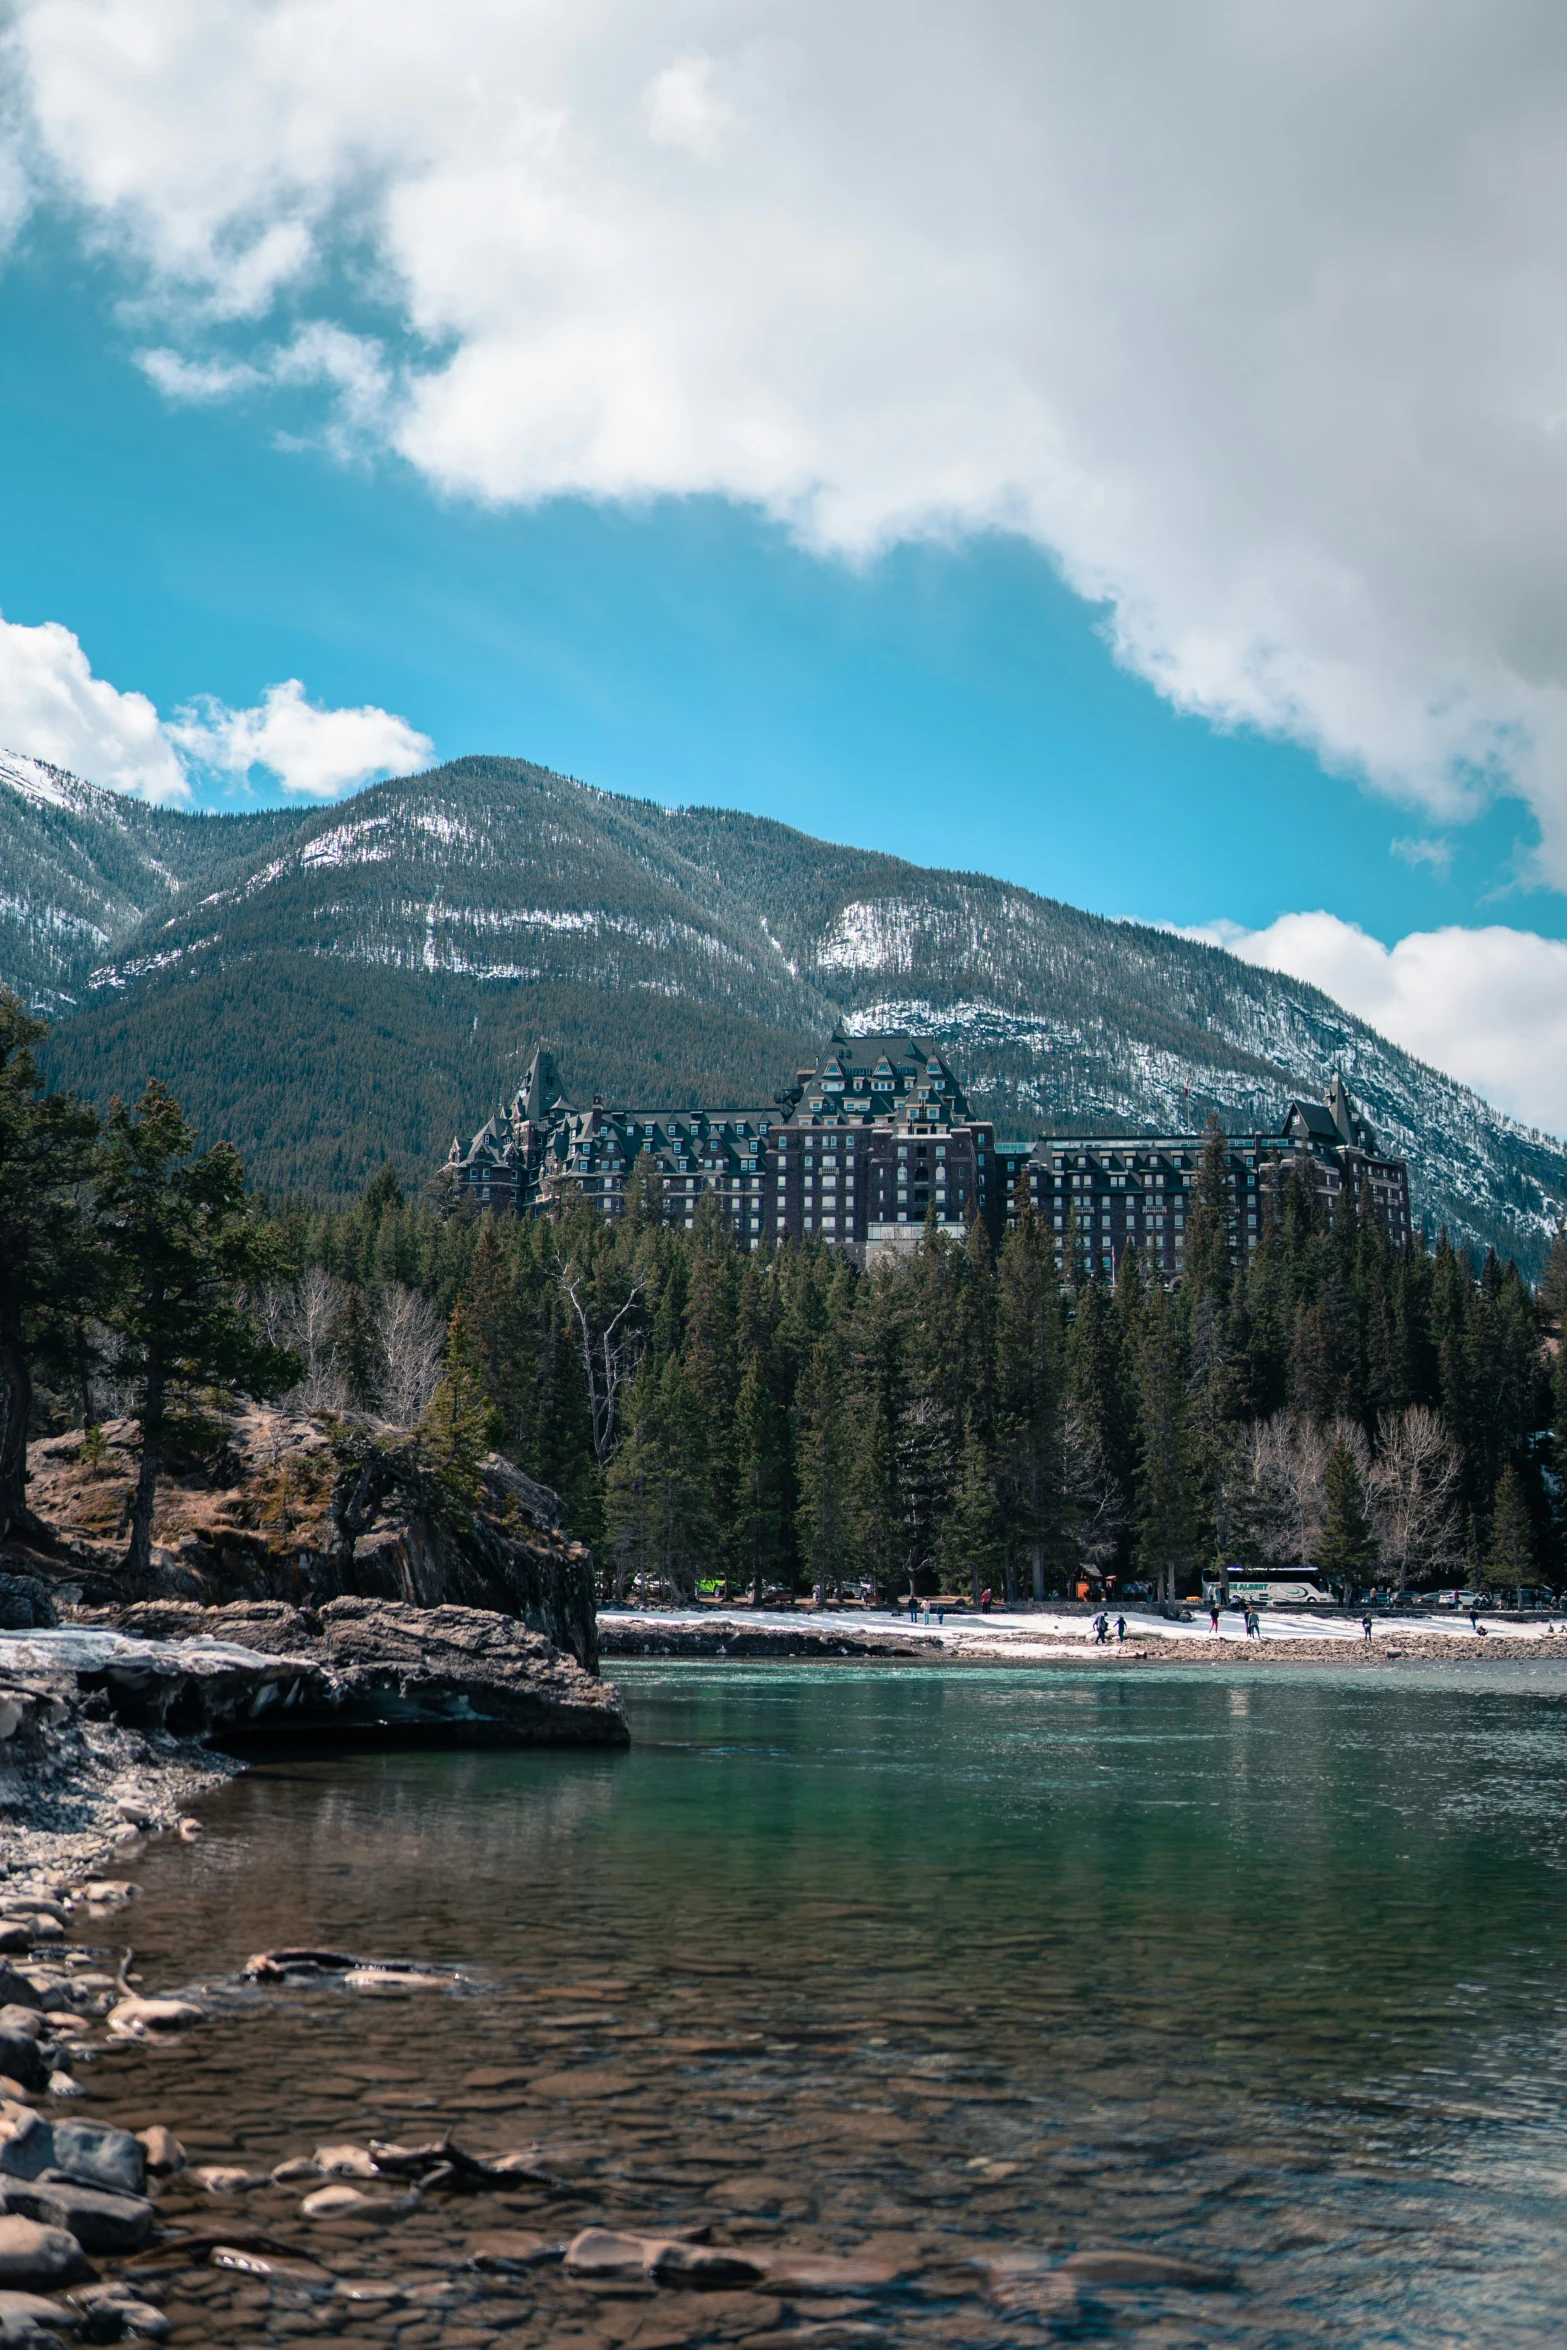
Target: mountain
[81,869]
[333,987]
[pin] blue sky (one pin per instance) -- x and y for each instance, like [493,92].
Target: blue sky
[954,702]
[1097,453]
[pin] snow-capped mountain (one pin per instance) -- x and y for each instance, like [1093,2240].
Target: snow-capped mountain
[335,986]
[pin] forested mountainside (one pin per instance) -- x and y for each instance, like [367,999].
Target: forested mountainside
[358,982]
[81,869]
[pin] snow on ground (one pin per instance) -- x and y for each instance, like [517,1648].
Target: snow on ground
[1041,1633]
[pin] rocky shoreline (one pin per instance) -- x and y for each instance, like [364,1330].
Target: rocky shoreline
[311,1578]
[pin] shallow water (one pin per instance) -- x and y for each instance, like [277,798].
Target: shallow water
[934,1966]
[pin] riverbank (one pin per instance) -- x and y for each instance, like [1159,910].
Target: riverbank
[1045,1636]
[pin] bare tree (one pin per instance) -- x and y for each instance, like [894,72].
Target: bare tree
[610,1345]
[1288,1462]
[1413,1491]
[412,1336]
[301,1315]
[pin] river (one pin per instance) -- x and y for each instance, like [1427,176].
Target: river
[959,1971]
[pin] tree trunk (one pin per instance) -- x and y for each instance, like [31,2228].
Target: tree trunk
[16,1404]
[1039,1571]
[138,1559]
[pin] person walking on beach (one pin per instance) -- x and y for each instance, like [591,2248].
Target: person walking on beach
[1213,1615]
[1253,1624]
[1365,1630]
[1101,1630]
[1120,1627]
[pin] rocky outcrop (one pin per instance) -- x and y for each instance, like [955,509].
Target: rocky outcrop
[371,1664]
[98,1721]
[304,1509]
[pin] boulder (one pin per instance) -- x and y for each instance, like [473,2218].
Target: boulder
[34,2254]
[21,2059]
[92,2153]
[99,2222]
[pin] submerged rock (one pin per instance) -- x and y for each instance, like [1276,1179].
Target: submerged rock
[669,2260]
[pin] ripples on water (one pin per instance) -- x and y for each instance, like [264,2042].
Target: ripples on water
[1260,1970]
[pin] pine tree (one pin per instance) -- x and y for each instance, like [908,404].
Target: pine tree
[356,1350]
[1029,1400]
[460,1424]
[1166,1518]
[758,1455]
[185,1249]
[822,1460]
[631,1484]
[1348,1548]
[971,1535]
[1097,1432]
[50,1266]
[1510,1560]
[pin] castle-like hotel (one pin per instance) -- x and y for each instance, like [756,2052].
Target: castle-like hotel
[864,1148]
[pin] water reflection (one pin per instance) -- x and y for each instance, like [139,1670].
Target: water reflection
[934,1966]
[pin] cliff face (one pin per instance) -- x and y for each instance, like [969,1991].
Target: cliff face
[302,1509]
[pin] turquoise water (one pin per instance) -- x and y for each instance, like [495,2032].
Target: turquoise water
[1259,1969]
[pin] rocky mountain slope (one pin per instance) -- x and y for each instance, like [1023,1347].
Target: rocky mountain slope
[82,868]
[333,987]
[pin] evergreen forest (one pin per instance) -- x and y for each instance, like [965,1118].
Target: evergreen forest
[955,1418]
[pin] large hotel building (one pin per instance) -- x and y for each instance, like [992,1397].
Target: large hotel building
[877,1138]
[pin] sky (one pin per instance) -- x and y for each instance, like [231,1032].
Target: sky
[1119,449]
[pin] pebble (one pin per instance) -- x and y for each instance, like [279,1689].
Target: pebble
[164,2153]
[345,2162]
[135,2018]
[334,2202]
[610,2252]
[223,2179]
[190,1829]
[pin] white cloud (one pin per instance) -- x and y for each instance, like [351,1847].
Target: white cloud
[1251,313]
[1438,854]
[685,108]
[52,707]
[196,381]
[317,753]
[1488,1006]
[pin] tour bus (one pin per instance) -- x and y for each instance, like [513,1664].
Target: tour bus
[1263,1587]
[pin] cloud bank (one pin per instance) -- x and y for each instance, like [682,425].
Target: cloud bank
[1489,1006]
[52,707]
[1250,314]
